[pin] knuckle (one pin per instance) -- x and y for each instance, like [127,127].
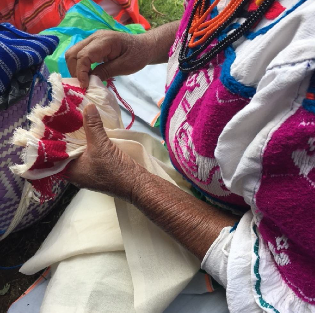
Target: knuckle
[95,122]
[69,56]
[102,71]
[82,54]
[105,72]
[99,33]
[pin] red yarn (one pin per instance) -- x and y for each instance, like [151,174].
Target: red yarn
[67,119]
[52,134]
[44,186]
[110,84]
[51,147]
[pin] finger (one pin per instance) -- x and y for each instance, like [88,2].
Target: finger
[112,68]
[106,70]
[93,126]
[93,52]
[71,55]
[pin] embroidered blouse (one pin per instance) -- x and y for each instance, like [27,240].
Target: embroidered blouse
[242,131]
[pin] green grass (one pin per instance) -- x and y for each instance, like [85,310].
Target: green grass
[171,10]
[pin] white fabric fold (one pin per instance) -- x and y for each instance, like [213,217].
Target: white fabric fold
[107,289]
[216,259]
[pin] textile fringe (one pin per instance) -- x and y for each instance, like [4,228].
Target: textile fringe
[44,186]
[56,135]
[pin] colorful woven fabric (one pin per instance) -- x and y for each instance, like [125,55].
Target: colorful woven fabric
[19,50]
[57,136]
[82,20]
[34,16]
[11,186]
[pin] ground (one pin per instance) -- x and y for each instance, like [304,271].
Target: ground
[20,246]
[159,12]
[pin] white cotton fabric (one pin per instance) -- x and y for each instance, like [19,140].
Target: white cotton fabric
[239,291]
[95,283]
[279,95]
[216,258]
[229,260]
[159,268]
[281,67]
[78,232]
[289,41]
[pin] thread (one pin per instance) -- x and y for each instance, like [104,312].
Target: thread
[110,83]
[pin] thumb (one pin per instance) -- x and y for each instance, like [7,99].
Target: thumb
[93,126]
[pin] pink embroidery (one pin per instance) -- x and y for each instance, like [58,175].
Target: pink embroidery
[185,105]
[286,199]
[184,148]
[199,113]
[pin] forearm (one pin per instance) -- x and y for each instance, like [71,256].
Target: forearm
[103,167]
[192,222]
[160,40]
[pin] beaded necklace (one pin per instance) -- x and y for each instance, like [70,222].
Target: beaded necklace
[203,33]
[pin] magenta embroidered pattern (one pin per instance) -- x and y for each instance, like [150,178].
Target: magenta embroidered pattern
[196,119]
[286,198]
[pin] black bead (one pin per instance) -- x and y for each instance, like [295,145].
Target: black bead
[190,63]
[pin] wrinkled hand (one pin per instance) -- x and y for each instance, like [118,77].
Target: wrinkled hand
[119,53]
[103,166]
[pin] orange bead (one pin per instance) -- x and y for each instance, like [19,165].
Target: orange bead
[200,28]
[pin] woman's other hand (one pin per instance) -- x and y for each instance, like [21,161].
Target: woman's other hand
[118,53]
[103,167]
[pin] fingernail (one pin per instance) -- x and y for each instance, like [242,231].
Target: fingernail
[91,110]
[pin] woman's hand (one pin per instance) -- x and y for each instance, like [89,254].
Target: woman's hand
[119,53]
[103,167]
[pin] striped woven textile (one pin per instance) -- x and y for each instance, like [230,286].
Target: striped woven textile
[34,16]
[19,51]
[11,186]
[131,7]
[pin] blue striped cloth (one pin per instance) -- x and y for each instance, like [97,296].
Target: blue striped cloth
[20,50]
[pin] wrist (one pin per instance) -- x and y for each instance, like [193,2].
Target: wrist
[140,184]
[148,42]
[157,42]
